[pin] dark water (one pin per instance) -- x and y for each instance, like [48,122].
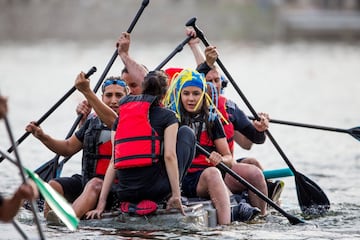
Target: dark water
[307,83]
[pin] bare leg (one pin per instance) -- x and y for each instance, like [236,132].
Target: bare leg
[88,198]
[57,187]
[255,177]
[252,161]
[211,184]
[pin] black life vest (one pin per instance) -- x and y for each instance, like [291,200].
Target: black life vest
[97,149]
[137,144]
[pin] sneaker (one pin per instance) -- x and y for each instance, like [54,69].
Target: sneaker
[53,219]
[244,212]
[39,204]
[275,189]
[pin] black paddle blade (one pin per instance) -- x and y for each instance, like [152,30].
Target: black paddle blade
[46,171]
[355,132]
[312,199]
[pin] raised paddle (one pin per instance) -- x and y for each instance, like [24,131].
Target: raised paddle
[355,131]
[292,219]
[47,114]
[43,170]
[178,49]
[310,196]
[51,168]
[47,171]
[57,202]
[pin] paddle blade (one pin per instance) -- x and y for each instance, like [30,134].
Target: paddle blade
[355,132]
[57,202]
[312,199]
[46,173]
[46,170]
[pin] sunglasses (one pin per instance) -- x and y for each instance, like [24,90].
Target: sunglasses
[108,82]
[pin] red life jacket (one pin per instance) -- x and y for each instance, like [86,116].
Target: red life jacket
[228,127]
[97,150]
[136,143]
[104,160]
[203,139]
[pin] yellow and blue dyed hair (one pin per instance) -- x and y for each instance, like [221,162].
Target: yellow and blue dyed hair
[186,78]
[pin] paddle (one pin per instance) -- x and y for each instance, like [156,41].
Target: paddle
[51,168]
[42,170]
[178,49]
[19,164]
[57,202]
[277,173]
[310,196]
[18,228]
[355,131]
[292,219]
[47,114]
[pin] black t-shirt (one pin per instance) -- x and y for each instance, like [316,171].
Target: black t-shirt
[242,123]
[217,132]
[134,182]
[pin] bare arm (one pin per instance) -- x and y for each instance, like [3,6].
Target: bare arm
[242,141]
[136,70]
[211,53]
[3,106]
[105,113]
[66,147]
[171,164]
[222,148]
[105,189]
[10,207]
[194,46]
[83,108]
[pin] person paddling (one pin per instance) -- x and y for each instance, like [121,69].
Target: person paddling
[149,164]
[94,139]
[187,96]
[238,128]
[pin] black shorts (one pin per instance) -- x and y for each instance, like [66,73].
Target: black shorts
[190,183]
[112,201]
[72,186]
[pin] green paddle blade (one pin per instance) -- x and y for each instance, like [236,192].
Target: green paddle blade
[57,202]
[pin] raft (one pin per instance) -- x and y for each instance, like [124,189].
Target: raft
[199,214]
